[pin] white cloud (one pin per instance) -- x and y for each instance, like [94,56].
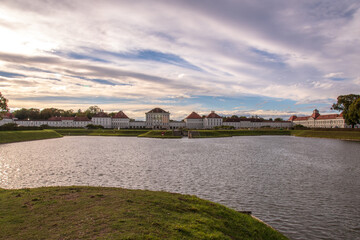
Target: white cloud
[331,75]
[279,49]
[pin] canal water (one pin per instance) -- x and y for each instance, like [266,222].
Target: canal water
[307,188]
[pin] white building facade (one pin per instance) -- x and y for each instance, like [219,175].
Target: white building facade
[320,121]
[194,121]
[212,120]
[158,118]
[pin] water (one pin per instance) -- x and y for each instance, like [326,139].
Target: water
[306,188]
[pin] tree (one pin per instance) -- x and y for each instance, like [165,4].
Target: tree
[354,112]
[21,114]
[47,113]
[91,111]
[278,119]
[3,105]
[343,104]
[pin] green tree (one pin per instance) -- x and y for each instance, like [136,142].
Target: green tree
[354,112]
[21,114]
[343,104]
[34,113]
[3,105]
[278,119]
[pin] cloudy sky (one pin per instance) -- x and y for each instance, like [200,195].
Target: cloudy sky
[267,58]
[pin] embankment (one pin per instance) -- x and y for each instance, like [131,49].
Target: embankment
[114,213]
[231,133]
[28,135]
[160,134]
[342,135]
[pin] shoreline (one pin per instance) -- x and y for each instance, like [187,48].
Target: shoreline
[75,212]
[31,135]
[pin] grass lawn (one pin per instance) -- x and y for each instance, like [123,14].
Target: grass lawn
[159,134]
[19,136]
[344,135]
[114,213]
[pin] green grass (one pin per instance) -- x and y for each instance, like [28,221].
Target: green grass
[113,213]
[28,135]
[158,134]
[100,132]
[230,133]
[344,135]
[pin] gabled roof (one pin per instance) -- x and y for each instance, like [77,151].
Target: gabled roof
[68,118]
[120,114]
[292,118]
[157,110]
[329,116]
[101,114]
[194,115]
[213,115]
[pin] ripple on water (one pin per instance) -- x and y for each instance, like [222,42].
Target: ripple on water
[306,188]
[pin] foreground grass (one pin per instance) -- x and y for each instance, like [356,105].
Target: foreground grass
[113,213]
[230,133]
[100,132]
[28,135]
[344,135]
[159,134]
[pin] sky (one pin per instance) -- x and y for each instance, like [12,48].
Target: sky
[251,57]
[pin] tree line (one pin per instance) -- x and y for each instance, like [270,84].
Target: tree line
[46,113]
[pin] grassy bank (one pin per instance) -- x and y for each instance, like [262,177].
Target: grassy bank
[113,213]
[28,135]
[344,135]
[230,133]
[100,132]
[159,134]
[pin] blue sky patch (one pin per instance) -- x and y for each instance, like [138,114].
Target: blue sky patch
[10,75]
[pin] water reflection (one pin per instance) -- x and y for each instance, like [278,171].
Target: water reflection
[306,188]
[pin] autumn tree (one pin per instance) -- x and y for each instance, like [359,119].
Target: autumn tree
[92,110]
[349,106]
[3,105]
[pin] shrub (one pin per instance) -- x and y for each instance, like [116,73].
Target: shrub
[92,126]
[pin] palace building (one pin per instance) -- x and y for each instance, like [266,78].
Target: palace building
[320,121]
[158,118]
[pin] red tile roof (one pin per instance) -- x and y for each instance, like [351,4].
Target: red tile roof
[120,114]
[67,118]
[213,115]
[329,116]
[8,115]
[194,115]
[81,119]
[302,118]
[292,118]
[157,110]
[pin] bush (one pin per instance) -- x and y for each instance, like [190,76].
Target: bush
[9,126]
[224,127]
[15,127]
[299,127]
[92,126]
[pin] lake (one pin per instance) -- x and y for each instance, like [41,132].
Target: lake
[306,188]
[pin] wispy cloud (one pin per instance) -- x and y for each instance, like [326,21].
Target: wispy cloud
[303,52]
